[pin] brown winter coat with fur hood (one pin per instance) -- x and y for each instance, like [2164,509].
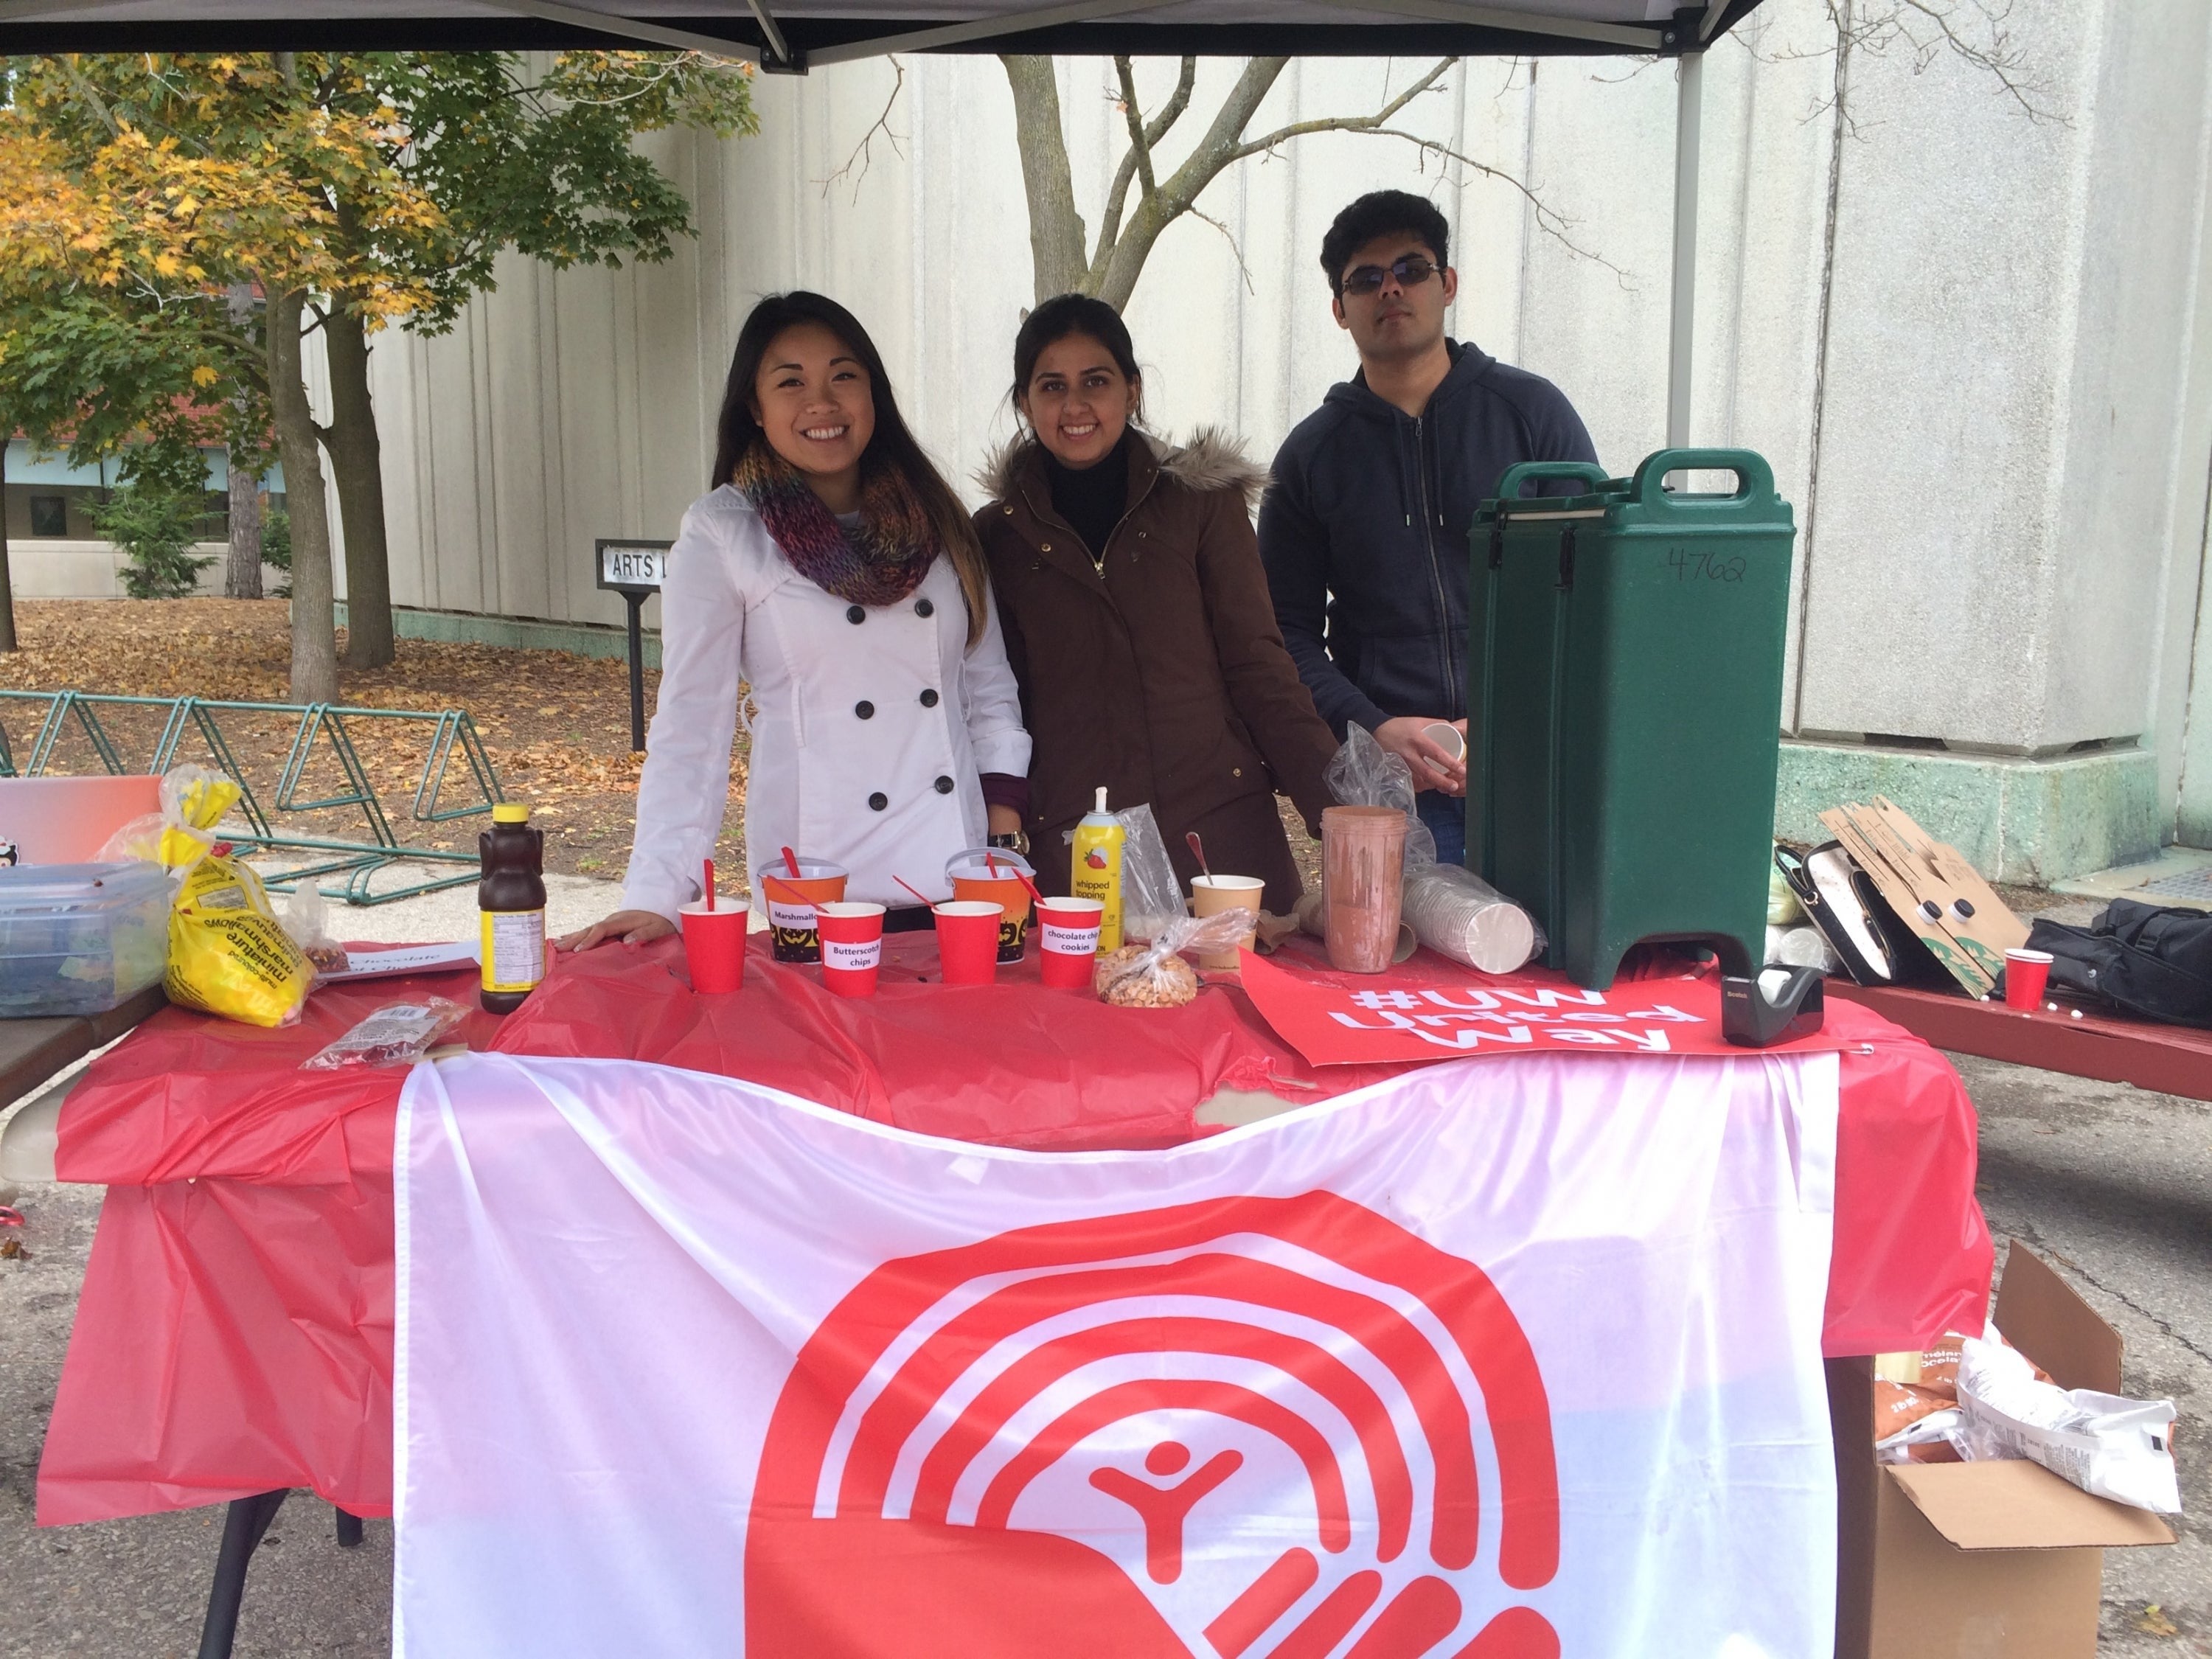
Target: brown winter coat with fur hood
[1159,671]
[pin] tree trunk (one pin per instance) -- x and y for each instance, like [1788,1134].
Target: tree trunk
[357,466]
[315,641]
[242,573]
[6,582]
[1056,257]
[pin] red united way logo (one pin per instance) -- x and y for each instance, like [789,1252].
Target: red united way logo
[1274,1428]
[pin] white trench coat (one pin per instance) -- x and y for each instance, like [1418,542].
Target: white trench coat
[874,722]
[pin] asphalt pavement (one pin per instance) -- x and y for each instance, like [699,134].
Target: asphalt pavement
[2112,1185]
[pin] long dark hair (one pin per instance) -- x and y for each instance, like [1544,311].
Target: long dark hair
[737,429]
[1076,313]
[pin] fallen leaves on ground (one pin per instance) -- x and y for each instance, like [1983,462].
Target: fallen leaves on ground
[2154,1622]
[555,726]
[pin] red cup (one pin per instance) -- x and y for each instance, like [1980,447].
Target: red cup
[968,940]
[2027,974]
[852,946]
[1067,940]
[714,946]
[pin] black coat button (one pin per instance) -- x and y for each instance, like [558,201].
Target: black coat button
[866,711]
[945,786]
[929,700]
[854,614]
[878,801]
[924,608]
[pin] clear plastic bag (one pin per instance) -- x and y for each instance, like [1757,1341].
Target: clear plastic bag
[1365,773]
[1451,910]
[306,919]
[398,1034]
[1151,897]
[1155,975]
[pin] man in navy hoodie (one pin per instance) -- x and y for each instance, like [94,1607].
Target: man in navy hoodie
[1363,530]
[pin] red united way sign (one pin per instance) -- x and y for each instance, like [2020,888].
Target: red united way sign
[979,1449]
[1434,1009]
[688,1367]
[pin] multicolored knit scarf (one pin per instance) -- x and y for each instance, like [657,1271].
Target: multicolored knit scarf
[879,561]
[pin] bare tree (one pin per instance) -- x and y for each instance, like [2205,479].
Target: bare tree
[1127,234]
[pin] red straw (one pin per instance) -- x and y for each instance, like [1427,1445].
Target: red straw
[991,864]
[791,863]
[911,888]
[710,884]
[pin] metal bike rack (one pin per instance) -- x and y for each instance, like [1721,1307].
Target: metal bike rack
[453,737]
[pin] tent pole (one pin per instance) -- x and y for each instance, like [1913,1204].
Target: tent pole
[1689,109]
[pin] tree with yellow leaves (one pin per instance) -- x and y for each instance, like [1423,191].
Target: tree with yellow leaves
[347,192]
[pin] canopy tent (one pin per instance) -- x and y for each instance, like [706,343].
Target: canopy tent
[792,36]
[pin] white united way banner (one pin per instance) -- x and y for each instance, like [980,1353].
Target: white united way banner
[1487,1362]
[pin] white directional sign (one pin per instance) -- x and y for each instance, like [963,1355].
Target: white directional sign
[636,566]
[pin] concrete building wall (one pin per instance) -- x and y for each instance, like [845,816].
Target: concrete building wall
[1968,341]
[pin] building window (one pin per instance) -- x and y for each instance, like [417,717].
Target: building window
[49,515]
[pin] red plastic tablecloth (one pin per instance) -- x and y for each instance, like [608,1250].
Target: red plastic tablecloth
[236,1330]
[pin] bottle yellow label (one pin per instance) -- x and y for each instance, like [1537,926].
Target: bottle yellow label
[512,949]
[1095,873]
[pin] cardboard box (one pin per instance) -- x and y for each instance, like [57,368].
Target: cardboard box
[1992,1560]
[1933,890]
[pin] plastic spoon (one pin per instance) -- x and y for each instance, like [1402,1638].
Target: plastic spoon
[1198,851]
[791,863]
[710,885]
[911,888]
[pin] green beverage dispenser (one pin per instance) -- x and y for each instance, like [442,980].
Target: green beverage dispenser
[1623,706]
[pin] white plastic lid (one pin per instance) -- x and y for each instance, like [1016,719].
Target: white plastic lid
[27,885]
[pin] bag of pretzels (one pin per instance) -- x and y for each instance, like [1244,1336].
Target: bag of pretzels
[1155,975]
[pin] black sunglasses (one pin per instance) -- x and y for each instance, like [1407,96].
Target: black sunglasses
[1411,271]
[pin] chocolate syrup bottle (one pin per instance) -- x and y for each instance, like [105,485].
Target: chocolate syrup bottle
[511,901]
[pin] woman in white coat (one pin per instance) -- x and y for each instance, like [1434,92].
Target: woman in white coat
[835,571]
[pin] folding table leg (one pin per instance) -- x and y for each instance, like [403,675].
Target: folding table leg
[242,1531]
[349,1531]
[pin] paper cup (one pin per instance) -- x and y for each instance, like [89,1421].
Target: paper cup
[852,946]
[971,879]
[1211,894]
[714,946]
[1446,737]
[968,940]
[791,905]
[2027,974]
[1067,941]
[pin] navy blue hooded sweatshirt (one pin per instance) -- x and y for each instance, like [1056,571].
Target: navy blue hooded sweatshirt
[1364,531]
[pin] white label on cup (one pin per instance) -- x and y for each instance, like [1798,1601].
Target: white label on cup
[1070,941]
[792,918]
[850,958]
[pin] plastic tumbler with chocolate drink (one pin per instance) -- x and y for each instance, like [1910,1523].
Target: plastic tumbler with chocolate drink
[791,899]
[1363,871]
[996,877]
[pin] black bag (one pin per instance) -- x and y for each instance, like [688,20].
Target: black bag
[2147,959]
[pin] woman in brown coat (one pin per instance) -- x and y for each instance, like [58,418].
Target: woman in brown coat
[1137,616]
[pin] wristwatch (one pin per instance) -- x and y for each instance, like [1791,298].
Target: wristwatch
[1015,842]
